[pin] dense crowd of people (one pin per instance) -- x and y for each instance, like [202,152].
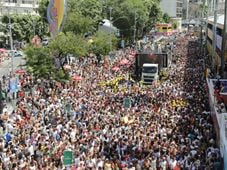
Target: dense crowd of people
[167,125]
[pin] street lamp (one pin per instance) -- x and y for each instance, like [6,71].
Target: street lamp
[134,36]
[9,30]
[111,29]
[11,43]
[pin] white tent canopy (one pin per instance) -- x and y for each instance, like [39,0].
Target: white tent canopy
[107,26]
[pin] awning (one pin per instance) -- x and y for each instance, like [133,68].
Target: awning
[20,71]
[124,62]
[77,78]
[3,50]
[115,68]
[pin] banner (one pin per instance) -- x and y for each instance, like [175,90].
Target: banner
[13,85]
[68,158]
[127,102]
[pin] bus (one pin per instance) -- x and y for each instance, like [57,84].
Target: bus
[163,28]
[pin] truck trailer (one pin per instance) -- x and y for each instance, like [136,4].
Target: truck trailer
[149,65]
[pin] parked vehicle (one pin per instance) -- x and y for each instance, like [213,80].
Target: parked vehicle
[16,53]
[45,42]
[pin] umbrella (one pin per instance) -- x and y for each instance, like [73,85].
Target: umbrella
[124,62]
[3,50]
[67,67]
[20,71]
[132,54]
[77,78]
[115,68]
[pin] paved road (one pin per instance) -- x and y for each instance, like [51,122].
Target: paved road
[6,68]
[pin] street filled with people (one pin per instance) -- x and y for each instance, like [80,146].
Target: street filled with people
[162,126]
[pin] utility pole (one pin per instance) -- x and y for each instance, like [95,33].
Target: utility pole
[223,48]
[214,35]
[1,99]
[187,10]
[11,41]
[134,36]
[111,29]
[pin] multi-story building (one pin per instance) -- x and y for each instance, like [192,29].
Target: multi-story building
[172,7]
[220,6]
[18,7]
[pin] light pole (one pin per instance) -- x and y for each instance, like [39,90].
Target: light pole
[11,41]
[214,34]
[134,36]
[187,10]
[223,48]
[111,29]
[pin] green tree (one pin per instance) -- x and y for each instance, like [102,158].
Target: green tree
[40,62]
[203,9]
[142,13]
[166,18]
[42,9]
[175,25]
[103,43]
[68,43]
[155,15]
[77,23]
[83,16]
[24,27]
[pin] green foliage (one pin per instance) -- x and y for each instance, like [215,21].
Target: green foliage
[175,25]
[82,16]
[166,18]
[68,43]
[24,27]
[77,23]
[39,62]
[144,12]
[103,43]
[42,9]
[204,9]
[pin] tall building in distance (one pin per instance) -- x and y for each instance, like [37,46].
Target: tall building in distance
[172,7]
[18,7]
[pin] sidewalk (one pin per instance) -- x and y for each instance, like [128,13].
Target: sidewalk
[5,68]
[9,108]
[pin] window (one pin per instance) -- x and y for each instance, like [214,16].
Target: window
[219,31]
[27,2]
[210,26]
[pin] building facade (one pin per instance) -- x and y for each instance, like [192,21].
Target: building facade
[18,7]
[219,33]
[220,6]
[172,7]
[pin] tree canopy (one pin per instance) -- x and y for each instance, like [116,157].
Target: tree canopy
[140,13]
[24,27]
[102,43]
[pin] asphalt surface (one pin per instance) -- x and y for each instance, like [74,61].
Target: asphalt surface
[5,69]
